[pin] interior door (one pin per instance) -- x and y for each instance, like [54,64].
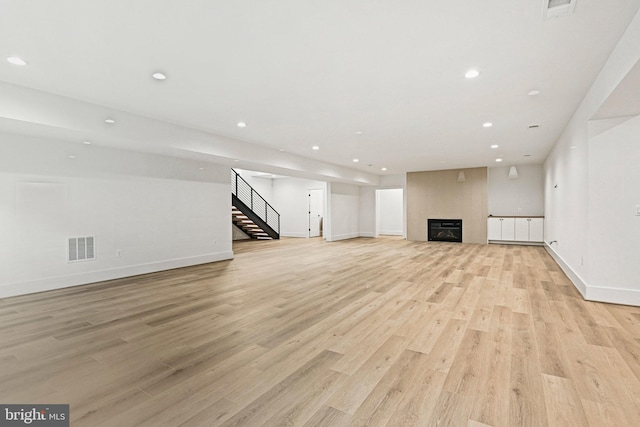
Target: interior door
[315,213]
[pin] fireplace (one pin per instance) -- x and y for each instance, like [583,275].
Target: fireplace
[444,230]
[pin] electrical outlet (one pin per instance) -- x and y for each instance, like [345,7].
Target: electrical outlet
[118,252]
[637,210]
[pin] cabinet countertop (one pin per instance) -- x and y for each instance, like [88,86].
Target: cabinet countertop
[515,216]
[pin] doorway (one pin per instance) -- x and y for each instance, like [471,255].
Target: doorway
[316,207]
[390,212]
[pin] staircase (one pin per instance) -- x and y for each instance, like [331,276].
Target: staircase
[249,227]
[250,211]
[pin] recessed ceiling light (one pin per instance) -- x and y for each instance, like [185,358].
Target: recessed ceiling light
[282,149]
[356,160]
[572,147]
[527,155]
[201,169]
[159,76]
[472,74]
[495,146]
[16,60]
[72,157]
[110,121]
[358,132]
[498,160]
[534,92]
[384,169]
[86,142]
[236,160]
[487,124]
[241,124]
[315,147]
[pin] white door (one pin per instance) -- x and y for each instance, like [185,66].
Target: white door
[315,212]
[522,229]
[536,232]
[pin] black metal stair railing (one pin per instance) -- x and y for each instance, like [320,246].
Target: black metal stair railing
[254,206]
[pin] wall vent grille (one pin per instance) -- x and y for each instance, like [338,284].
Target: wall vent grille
[557,8]
[81,249]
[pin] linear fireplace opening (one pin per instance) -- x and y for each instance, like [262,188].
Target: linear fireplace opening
[444,230]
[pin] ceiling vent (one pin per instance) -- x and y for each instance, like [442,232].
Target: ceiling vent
[557,8]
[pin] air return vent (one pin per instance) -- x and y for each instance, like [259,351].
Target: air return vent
[81,249]
[557,8]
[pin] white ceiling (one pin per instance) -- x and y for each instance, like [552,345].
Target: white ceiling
[316,73]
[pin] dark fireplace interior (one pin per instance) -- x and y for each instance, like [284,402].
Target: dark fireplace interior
[445,230]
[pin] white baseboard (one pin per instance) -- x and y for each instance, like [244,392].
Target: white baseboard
[596,293]
[59,282]
[294,234]
[367,234]
[390,233]
[577,281]
[342,237]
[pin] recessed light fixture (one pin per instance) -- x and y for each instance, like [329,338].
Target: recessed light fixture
[241,124]
[572,147]
[471,74]
[72,157]
[159,76]
[495,146]
[201,169]
[86,142]
[356,160]
[534,92]
[315,147]
[358,132]
[236,160]
[110,121]
[498,160]
[383,169]
[487,124]
[282,149]
[16,60]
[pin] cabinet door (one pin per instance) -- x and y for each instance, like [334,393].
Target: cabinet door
[536,230]
[508,229]
[494,228]
[522,229]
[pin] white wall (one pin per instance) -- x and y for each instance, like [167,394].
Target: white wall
[260,183]
[156,212]
[367,217]
[571,191]
[522,196]
[614,227]
[291,200]
[343,212]
[390,211]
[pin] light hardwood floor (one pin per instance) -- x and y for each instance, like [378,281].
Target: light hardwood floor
[301,332]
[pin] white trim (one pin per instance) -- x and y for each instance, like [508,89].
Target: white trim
[577,281]
[614,295]
[343,237]
[59,282]
[366,234]
[295,234]
[390,233]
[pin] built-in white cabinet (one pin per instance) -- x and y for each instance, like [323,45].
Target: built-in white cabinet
[501,228]
[515,229]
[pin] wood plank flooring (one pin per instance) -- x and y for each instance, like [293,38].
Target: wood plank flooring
[301,332]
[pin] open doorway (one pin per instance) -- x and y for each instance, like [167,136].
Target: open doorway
[389,212]
[316,208]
